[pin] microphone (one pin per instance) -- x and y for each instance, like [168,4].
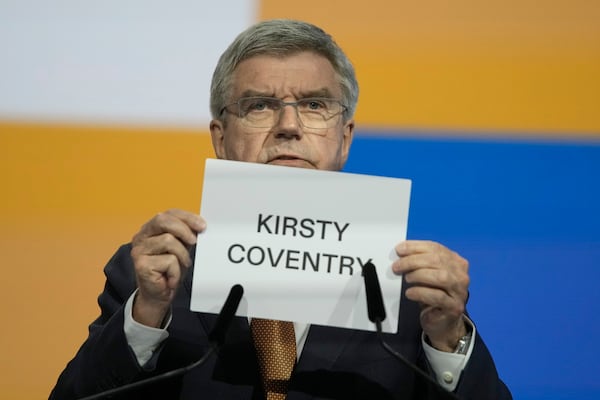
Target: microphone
[375,307]
[216,337]
[376,312]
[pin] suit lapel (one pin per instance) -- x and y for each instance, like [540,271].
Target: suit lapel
[323,347]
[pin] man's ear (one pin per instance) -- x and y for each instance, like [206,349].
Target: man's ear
[217,135]
[348,134]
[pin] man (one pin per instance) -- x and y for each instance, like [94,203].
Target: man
[283,93]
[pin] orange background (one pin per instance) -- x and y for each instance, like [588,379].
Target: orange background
[514,66]
[72,193]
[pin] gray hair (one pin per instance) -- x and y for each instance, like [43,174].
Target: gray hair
[281,37]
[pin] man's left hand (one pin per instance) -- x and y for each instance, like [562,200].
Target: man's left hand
[438,280]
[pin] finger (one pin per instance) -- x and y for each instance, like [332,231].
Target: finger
[456,288]
[181,224]
[436,298]
[441,257]
[434,278]
[158,275]
[194,221]
[163,244]
[409,247]
[412,262]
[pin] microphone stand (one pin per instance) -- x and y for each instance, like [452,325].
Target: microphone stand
[158,378]
[216,339]
[376,311]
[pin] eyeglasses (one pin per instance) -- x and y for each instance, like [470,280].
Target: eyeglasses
[264,112]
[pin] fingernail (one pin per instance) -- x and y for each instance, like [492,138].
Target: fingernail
[401,247]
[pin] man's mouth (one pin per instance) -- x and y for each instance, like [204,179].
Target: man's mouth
[289,160]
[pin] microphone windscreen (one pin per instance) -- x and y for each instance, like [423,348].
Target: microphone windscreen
[217,335]
[375,307]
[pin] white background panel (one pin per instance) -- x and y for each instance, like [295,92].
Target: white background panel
[112,61]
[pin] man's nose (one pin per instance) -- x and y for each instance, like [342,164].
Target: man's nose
[288,124]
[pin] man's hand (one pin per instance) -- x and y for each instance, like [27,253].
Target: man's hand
[438,280]
[160,253]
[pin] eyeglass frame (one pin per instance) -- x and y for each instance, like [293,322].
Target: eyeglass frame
[282,104]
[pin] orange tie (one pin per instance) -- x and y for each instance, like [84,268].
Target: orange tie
[275,344]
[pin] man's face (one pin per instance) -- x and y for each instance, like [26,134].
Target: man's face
[287,142]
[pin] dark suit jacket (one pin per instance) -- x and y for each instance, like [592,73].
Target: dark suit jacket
[334,363]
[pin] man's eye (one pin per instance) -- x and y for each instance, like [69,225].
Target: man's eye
[254,105]
[313,105]
[257,105]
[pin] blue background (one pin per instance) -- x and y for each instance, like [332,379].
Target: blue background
[525,215]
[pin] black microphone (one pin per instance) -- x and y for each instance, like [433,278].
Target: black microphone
[375,307]
[376,311]
[216,337]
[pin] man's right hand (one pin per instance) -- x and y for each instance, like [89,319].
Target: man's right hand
[160,253]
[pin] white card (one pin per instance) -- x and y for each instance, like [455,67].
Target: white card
[295,239]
